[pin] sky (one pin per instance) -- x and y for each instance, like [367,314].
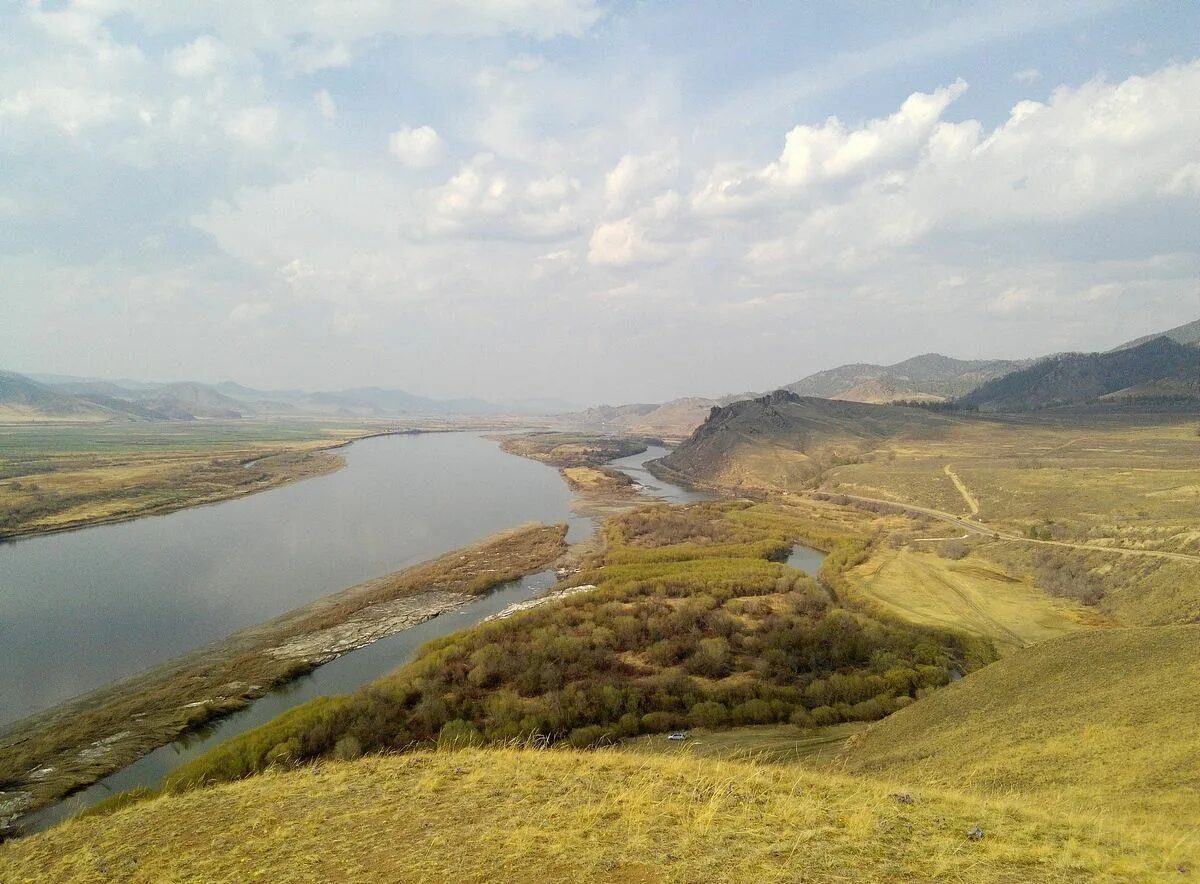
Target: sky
[595,201]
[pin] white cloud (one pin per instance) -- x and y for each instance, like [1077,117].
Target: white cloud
[254,126]
[622,243]
[487,199]
[831,152]
[315,34]
[637,175]
[416,148]
[1186,180]
[70,109]
[1027,75]
[202,57]
[325,104]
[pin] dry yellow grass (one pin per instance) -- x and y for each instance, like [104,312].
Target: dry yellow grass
[1116,481]
[762,744]
[1101,722]
[513,815]
[966,595]
[69,476]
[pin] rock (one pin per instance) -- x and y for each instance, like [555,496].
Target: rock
[976,834]
[904,798]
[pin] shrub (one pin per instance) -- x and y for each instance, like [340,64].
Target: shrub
[823,716]
[459,734]
[658,722]
[347,748]
[753,712]
[709,714]
[802,718]
[589,737]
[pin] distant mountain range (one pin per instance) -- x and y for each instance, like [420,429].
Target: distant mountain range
[60,398]
[1165,365]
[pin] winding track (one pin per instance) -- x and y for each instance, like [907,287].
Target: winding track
[977,528]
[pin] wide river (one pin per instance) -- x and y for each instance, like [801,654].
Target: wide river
[83,608]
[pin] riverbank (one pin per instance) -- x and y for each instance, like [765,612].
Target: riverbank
[81,476]
[69,477]
[49,755]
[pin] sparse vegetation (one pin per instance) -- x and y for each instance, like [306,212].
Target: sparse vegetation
[690,622]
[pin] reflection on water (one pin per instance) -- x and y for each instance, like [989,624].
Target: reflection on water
[634,467]
[345,674]
[805,559]
[353,670]
[82,609]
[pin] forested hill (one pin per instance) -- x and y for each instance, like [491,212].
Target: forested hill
[1160,367]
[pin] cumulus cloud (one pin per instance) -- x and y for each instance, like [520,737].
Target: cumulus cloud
[587,196]
[416,148]
[200,58]
[917,176]
[484,198]
[830,153]
[254,126]
[637,175]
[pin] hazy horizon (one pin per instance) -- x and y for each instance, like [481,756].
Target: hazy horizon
[588,201]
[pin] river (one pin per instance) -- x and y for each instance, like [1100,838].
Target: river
[501,489]
[81,609]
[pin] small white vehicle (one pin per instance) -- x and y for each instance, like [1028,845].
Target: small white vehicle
[679,735]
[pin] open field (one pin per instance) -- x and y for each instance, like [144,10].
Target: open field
[144,711]
[66,476]
[513,815]
[967,595]
[1100,722]
[1091,478]
[1094,505]
[762,744]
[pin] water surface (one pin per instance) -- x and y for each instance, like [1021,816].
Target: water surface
[341,676]
[357,668]
[80,609]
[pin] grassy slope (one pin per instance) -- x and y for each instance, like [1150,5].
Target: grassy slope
[1102,720]
[967,595]
[542,816]
[764,744]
